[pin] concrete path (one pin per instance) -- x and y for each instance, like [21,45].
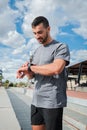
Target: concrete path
[8,120]
[21,104]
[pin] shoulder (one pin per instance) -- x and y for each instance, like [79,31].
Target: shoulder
[60,45]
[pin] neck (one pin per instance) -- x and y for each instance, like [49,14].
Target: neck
[49,40]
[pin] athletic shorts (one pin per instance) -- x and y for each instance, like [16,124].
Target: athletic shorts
[51,118]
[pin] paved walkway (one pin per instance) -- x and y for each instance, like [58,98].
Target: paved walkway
[8,120]
[21,105]
[76,94]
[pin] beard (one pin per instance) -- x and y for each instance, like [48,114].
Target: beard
[43,40]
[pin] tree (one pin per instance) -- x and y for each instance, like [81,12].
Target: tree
[6,83]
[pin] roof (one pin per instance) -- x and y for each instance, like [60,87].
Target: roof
[80,66]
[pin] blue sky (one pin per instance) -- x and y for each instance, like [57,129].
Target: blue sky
[68,21]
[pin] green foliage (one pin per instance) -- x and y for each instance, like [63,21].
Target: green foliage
[1,77]
[8,84]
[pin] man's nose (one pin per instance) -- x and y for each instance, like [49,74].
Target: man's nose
[37,36]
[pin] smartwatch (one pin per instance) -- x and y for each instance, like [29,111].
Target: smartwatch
[29,65]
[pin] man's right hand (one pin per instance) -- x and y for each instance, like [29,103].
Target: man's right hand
[23,70]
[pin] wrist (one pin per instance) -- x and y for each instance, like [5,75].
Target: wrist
[29,67]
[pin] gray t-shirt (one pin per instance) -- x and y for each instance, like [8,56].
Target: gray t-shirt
[50,91]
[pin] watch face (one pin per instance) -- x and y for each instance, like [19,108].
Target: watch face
[28,66]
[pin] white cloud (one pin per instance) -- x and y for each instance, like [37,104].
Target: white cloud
[13,39]
[25,50]
[63,33]
[82,30]
[19,50]
[3,5]
[76,11]
[8,34]
[78,55]
[32,45]
[23,6]
[10,67]
[52,11]
[7,18]
[58,12]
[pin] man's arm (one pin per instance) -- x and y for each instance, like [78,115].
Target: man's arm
[24,71]
[50,69]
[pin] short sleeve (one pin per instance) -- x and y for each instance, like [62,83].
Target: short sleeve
[35,57]
[62,52]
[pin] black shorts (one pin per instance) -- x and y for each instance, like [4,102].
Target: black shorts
[51,118]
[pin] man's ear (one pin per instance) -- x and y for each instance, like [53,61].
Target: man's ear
[49,28]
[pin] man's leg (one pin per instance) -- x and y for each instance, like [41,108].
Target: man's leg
[38,127]
[53,118]
[37,120]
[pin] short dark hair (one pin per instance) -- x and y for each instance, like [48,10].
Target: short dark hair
[39,20]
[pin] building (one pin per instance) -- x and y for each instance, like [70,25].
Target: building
[77,75]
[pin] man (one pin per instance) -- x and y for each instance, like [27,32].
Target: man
[48,69]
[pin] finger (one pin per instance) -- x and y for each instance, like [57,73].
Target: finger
[20,75]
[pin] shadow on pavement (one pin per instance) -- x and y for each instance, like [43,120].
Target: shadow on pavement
[21,109]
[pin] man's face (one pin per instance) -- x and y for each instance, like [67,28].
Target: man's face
[41,33]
